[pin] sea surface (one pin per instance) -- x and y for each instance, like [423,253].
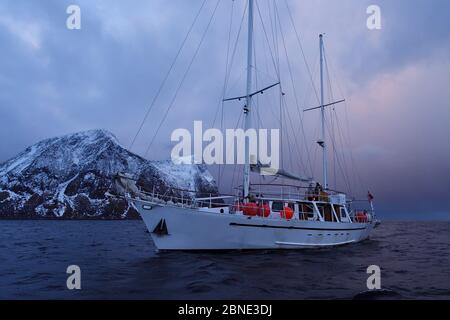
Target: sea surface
[118,261]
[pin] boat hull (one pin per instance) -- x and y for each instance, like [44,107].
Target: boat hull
[188,229]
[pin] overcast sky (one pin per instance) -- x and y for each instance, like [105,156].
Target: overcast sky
[396,80]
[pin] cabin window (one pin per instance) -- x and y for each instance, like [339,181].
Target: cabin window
[343,213]
[321,210]
[277,206]
[308,211]
[326,213]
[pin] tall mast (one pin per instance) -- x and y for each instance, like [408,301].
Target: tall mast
[323,143]
[248,107]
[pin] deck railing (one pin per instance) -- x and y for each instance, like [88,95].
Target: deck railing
[261,193]
[235,203]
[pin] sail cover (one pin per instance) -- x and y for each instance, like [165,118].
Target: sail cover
[266,170]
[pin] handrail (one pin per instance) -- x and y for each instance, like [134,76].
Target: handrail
[185,198]
[208,203]
[255,185]
[266,197]
[289,186]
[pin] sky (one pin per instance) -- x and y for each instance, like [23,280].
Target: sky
[55,81]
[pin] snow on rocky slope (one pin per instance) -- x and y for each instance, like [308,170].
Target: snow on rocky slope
[74,176]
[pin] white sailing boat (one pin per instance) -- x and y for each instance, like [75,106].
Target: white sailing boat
[274,217]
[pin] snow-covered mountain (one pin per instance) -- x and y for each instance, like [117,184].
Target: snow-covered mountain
[74,176]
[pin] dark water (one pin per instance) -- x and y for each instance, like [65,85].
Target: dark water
[118,260]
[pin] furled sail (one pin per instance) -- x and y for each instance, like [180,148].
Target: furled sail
[266,170]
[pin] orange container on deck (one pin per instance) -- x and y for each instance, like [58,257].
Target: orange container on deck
[287,213]
[264,211]
[361,217]
[250,209]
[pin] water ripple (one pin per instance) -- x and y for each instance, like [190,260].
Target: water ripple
[118,260]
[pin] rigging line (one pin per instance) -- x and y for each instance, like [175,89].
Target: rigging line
[316,133]
[301,49]
[235,82]
[333,130]
[258,115]
[268,75]
[340,133]
[237,125]
[229,75]
[295,94]
[272,30]
[267,39]
[343,154]
[225,81]
[342,163]
[332,112]
[357,172]
[184,77]
[301,165]
[230,62]
[285,110]
[166,77]
[278,71]
[308,93]
[237,39]
[346,179]
[345,165]
[268,55]
[274,54]
[316,130]
[236,44]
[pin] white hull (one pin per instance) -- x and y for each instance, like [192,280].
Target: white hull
[191,229]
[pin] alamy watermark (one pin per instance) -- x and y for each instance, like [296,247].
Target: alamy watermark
[374,19]
[74,280]
[374,280]
[213,147]
[73,22]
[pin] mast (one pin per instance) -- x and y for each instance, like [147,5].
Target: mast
[248,107]
[323,143]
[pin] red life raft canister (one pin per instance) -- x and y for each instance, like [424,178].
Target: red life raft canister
[287,213]
[361,217]
[264,210]
[250,209]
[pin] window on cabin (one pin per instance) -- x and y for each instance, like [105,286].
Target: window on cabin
[328,213]
[321,210]
[277,206]
[308,211]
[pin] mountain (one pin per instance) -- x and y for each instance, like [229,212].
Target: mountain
[76,176]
